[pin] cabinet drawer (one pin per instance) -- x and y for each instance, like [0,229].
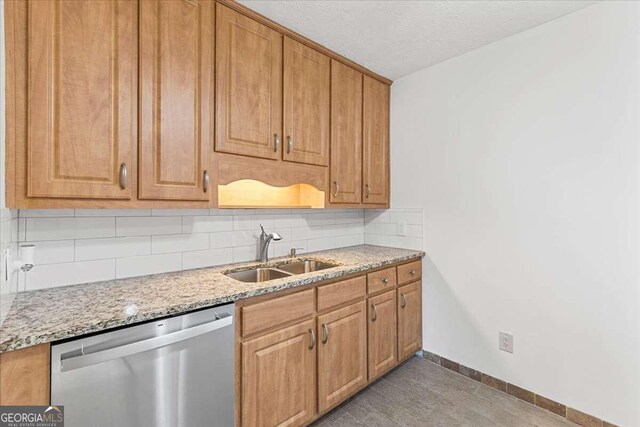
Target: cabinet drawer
[264,315]
[341,292]
[409,272]
[381,280]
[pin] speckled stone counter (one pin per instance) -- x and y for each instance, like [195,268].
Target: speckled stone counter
[53,314]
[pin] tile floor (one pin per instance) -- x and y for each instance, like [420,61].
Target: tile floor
[420,393]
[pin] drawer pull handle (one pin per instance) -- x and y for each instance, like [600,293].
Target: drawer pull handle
[412,272]
[123,176]
[385,280]
[374,313]
[313,339]
[403,303]
[325,333]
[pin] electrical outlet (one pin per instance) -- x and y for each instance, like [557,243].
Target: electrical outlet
[506,342]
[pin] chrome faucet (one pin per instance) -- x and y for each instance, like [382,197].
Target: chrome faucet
[265,239]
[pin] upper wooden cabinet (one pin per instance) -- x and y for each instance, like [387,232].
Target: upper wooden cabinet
[158,103]
[82,98]
[248,86]
[375,141]
[346,133]
[307,89]
[176,98]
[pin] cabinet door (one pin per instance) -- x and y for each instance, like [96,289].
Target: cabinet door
[382,334]
[279,377]
[375,141]
[342,354]
[307,89]
[176,85]
[248,86]
[82,74]
[346,133]
[409,320]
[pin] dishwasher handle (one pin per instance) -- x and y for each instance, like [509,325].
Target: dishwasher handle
[75,362]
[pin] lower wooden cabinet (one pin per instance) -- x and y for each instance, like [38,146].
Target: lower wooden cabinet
[382,334]
[342,354]
[409,319]
[302,353]
[279,377]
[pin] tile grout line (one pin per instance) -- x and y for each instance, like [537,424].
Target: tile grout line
[524,395]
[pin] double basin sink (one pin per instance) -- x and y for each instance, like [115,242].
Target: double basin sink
[279,271]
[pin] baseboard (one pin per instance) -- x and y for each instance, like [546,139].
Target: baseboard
[571,414]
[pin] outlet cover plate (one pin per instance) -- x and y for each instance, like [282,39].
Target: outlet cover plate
[506,342]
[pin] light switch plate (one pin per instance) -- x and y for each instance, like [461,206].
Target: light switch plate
[402,228]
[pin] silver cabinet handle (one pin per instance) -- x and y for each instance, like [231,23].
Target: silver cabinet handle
[385,280]
[313,339]
[289,144]
[412,272]
[205,181]
[337,188]
[123,176]
[374,313]
[403,303]
[276,146]
[325,334]
[366,191]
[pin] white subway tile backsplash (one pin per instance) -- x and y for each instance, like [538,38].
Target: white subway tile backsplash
[119,247]
[245,253]
[112,212]
[291,220]
[71,273]
[46,213]
[410,217]
[179,212]
[382,228]
[148,264]
[207,258]
[253,222]
[405,242]
[245,237]
[83,245]
[148,226]
[54,251]
[321,244]
[221,239]
[69,228]
[22,229]
[179,243]
[376,239]
[206,224]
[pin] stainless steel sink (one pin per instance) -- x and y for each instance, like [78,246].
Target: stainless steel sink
[258,275]
[300,267]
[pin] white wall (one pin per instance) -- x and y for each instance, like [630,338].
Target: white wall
[524,155]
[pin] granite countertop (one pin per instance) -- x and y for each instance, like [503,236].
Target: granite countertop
[53,314]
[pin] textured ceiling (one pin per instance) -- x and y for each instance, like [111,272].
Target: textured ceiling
[395,38]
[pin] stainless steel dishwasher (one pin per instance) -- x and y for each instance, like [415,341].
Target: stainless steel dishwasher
[174,372]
